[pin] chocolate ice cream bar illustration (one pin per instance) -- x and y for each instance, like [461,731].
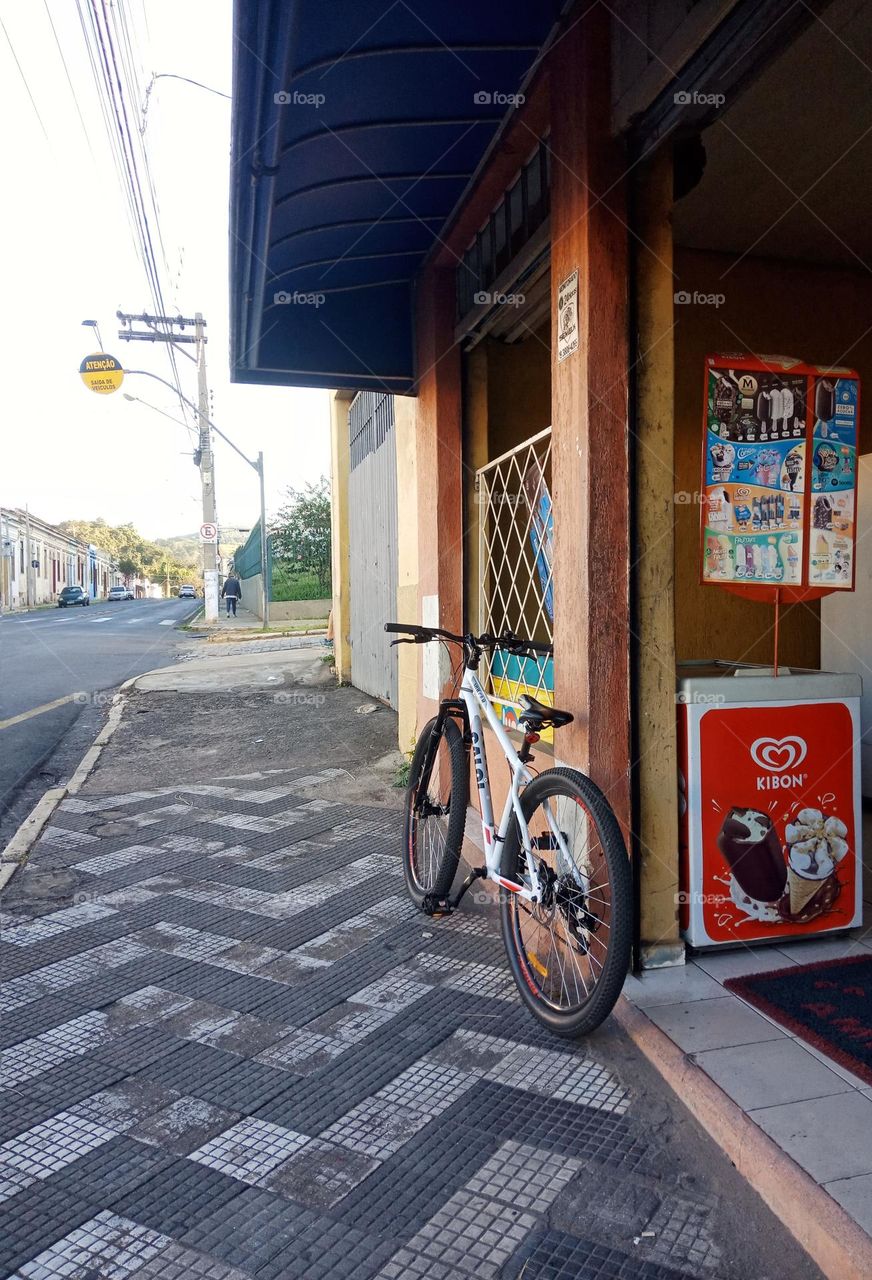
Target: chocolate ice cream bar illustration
[750,844]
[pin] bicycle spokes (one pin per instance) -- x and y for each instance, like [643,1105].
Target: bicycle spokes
[564,935]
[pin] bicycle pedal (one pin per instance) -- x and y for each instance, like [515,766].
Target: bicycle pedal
[436,907]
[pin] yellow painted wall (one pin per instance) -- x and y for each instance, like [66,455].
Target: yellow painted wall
[518,389]
[814,313]
[408,656]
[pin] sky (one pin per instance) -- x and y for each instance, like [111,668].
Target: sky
[68,253]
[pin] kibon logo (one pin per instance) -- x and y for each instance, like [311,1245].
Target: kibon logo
[779,756]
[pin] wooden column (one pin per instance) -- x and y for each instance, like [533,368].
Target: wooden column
[589,403]
[657,768]
[440,473]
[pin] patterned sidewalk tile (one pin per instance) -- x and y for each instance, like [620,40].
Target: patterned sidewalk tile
[245,1056]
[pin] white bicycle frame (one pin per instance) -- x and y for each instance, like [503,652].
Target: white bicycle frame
[476,700]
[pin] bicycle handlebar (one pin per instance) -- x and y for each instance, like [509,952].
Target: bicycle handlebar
[508,640]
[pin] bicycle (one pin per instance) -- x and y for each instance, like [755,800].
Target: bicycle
[558,856]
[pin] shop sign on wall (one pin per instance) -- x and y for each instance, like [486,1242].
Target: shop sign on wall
[567,317]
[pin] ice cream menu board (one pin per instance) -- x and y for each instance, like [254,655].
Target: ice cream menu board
[779,475]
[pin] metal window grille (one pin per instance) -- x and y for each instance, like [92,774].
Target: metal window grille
[515,590]
[370,419]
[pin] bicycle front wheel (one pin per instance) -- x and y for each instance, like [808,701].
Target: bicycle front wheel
[435,811]
[570,952]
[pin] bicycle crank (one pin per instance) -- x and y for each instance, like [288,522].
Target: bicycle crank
[438,907]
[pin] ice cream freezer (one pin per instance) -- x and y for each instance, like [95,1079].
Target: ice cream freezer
[769,803]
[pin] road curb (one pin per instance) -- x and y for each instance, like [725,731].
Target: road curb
[829,1235]
[18,848]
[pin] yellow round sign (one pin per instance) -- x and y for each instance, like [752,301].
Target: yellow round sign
[101,373]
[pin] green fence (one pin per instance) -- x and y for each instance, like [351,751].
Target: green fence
[246,560]
[285,582]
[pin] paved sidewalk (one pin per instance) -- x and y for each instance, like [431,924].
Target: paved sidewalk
[232,1049]
[244,620]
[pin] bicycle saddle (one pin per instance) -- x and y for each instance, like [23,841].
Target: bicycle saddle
[537,715]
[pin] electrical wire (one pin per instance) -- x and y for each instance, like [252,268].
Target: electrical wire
[111,51]
[69,79]
[24,80]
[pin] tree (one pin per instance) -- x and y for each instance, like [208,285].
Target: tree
[135,555]
[301,532]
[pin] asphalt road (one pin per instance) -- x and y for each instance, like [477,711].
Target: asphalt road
[51,655]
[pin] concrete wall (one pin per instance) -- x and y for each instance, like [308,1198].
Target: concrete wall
[289,610]
[408,656]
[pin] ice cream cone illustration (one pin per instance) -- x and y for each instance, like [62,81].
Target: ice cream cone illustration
[815,846]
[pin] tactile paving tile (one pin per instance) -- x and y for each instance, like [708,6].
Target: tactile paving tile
[193,944]
[107,1246]
[250,1149]
[48,1147]
[577,1131]
[112,1170]
[349,1022]
[124,1105]
[376,1127]
[320,1174]
[395,991]
[32,932]
[462,975]
[133,855]
[67,973]
[174,1262]
[682,1236]
[570,1077]
[179,1196]
[303,1052]
[428,1087]
[554,1255]
[31,1058]
[525,1176]
[184,1125]
[472,1235]
[250,1230]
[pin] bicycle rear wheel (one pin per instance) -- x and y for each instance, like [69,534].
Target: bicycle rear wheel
[569,954]
[435,812]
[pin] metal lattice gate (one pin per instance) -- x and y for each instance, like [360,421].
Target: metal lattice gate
[372,508]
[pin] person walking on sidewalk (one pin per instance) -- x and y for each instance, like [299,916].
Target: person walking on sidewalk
[232,593]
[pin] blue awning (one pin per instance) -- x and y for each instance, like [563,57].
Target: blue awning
[357,126]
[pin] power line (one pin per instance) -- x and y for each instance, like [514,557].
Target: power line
[112,58]
[24,80]
[69,79]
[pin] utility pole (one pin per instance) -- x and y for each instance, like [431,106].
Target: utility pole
[207,478]
[171,329]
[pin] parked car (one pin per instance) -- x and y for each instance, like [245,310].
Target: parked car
[187,592]
[73,595]
[120,593]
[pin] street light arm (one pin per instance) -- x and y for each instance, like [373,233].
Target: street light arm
[255,466]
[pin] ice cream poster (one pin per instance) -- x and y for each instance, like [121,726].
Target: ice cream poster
[777,839]
[778,476]
[833,482]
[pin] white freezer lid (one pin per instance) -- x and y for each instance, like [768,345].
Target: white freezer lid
[737,684]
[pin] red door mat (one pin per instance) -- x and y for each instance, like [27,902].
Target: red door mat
[828,1004]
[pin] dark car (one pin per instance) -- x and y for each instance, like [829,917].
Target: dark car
[73,595]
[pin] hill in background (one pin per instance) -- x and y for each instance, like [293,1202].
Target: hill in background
[185,548]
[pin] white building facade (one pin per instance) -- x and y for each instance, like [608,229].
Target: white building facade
[38,559]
